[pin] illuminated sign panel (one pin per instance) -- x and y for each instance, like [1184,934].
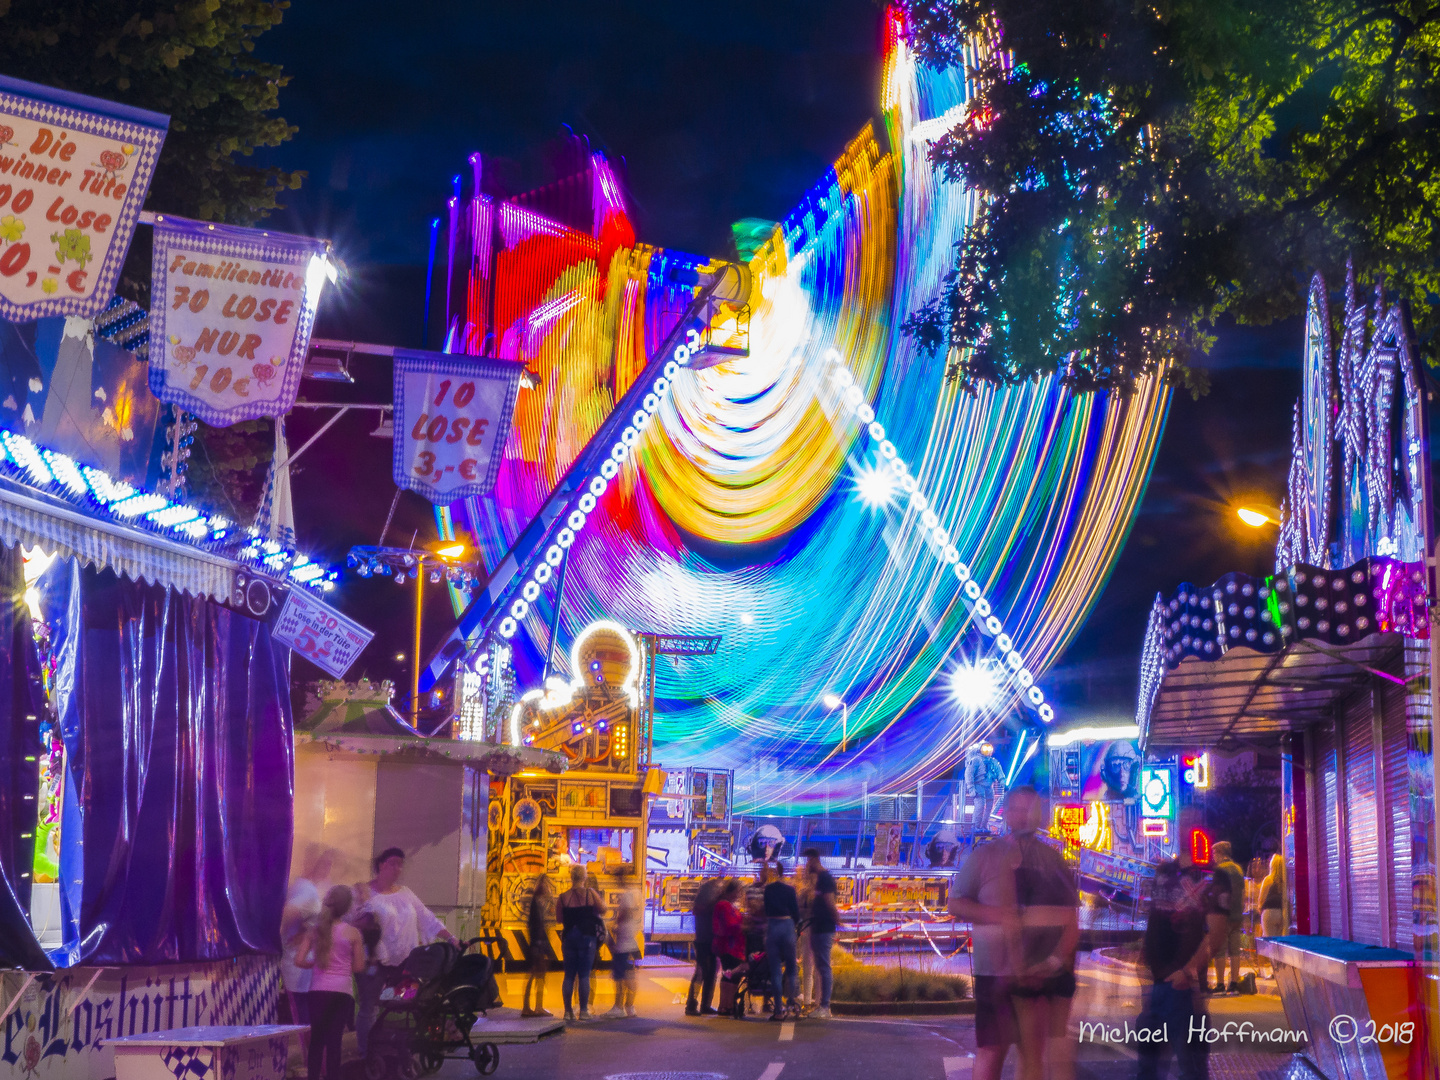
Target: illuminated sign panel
[1157,791]
[1196,770]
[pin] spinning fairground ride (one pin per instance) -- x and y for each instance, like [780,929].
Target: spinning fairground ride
[755,451]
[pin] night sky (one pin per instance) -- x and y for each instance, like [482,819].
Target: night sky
[715,112]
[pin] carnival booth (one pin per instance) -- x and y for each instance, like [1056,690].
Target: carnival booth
[596,813]
[365,781]
[1328,659]
[145,726]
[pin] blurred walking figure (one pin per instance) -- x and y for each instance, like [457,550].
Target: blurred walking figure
[1044,984]
[334,954]
[782,916]
[983,894]
[703,979]
[539,917]
[623,947]
[1274,898]
[1187,922]
[824,921]
[302,908]
[1230,888]
[982,774]
[580,911]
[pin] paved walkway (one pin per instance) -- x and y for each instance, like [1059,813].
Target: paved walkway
[664,1044]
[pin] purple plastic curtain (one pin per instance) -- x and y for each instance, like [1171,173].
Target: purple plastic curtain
[178,816]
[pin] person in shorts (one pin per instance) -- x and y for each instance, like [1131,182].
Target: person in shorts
[1044,981]
[1230,889]
[983,894]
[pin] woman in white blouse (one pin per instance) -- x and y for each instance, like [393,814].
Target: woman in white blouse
[403,922]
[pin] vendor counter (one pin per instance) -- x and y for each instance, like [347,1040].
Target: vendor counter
[1359,1005]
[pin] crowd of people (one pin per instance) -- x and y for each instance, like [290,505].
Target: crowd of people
[343,944]
[791,923]
[1022,902]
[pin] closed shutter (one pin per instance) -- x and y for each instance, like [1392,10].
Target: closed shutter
[1397,809]
[1361,832]
[1325,843]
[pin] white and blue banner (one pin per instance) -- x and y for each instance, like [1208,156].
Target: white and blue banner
[74,172]
[231,312]
[452,417]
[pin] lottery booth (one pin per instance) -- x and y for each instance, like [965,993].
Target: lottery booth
[145,722]
[1329,661]
[365,780]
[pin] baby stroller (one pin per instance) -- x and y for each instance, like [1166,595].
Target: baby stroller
[429,1010]
[751,980]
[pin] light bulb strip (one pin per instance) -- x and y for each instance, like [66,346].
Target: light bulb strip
[1013,668]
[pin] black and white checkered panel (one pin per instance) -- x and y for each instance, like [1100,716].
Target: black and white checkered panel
[246,993]
[190,1062]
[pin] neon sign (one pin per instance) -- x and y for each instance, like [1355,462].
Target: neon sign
[1157,791]
[1197,770]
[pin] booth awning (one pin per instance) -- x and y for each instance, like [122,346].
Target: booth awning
[1251,697]
[36,520]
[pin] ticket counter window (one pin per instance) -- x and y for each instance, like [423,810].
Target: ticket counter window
[608,847]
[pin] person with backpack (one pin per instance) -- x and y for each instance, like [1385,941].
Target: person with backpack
[334,953]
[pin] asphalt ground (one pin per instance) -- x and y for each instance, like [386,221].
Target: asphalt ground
[664,1044]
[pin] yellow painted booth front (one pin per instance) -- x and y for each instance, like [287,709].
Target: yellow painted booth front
[594,814]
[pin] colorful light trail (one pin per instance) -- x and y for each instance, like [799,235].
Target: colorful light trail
[756,505]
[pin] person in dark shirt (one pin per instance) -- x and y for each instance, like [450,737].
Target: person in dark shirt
[541,912]
[704,977]
[1187,919]
[824,921]
[1230,891]
[782,918]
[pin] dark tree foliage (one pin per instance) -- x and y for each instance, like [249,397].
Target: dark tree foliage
[191,60]
[1149,164]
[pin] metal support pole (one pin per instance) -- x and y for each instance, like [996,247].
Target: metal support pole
[555,620]
[415,660]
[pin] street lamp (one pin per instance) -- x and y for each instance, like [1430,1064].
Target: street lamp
[442,560]
[833,702]
[1258,518]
